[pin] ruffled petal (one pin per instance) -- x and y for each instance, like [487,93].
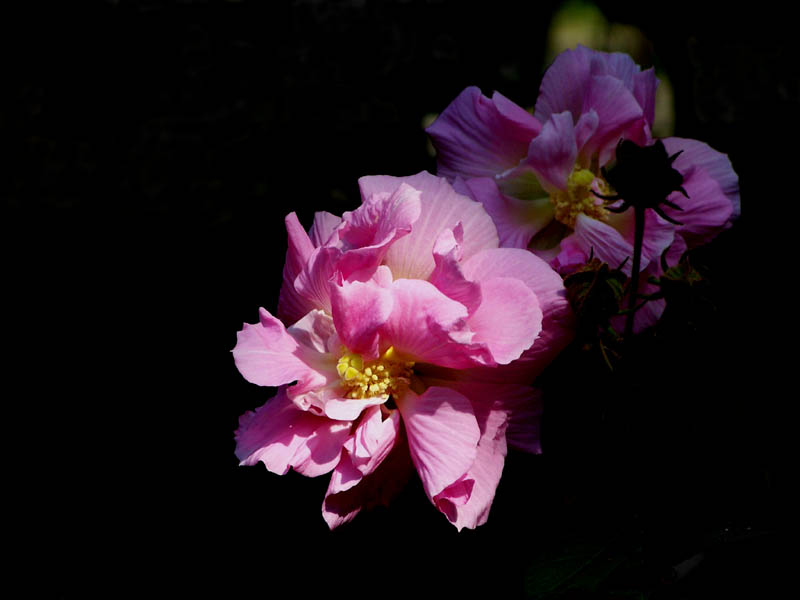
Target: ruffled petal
[312,285]
[373,439]
[479,137]
[441,208]
[281,435]
[442,436]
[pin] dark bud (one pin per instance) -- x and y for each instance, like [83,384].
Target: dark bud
[643,177]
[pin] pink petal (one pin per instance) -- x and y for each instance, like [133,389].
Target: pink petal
[442,436]
[713,189]
[427,326]
[517,221]
[604,242]
[281,436]
[291,306]
[508,319]
[557,318]
[478,137]
[266,354]
[441,208]
[360,308]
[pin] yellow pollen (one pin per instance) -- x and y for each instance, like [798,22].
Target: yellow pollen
[578,198]
[383,376]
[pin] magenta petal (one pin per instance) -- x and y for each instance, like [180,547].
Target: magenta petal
[603,241]
[266,354]
[291,306]
[617,109]
[508,319]
[427,326]
[360,308]
[553,152]
[281,436]
[712,186]
[479,137]
[563,84]
[442,436]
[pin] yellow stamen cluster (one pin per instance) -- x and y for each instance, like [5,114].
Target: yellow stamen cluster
[578,198]
[383,376]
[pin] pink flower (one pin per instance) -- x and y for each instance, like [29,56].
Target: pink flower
[538,175]
[407,344]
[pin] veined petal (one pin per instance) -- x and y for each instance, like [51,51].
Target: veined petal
[442,436]
[373,439]
[603,241]
[563,84]
[441,208]
[479,137]
[312,285]
[281,436]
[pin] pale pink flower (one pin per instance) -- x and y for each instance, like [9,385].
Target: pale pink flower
[398,320]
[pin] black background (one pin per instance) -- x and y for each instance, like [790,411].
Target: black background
[150,151]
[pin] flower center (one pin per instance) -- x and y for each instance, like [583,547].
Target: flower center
[383,376]
[578,197]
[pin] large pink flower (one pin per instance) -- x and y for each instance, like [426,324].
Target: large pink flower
[396,319]
[539,175]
